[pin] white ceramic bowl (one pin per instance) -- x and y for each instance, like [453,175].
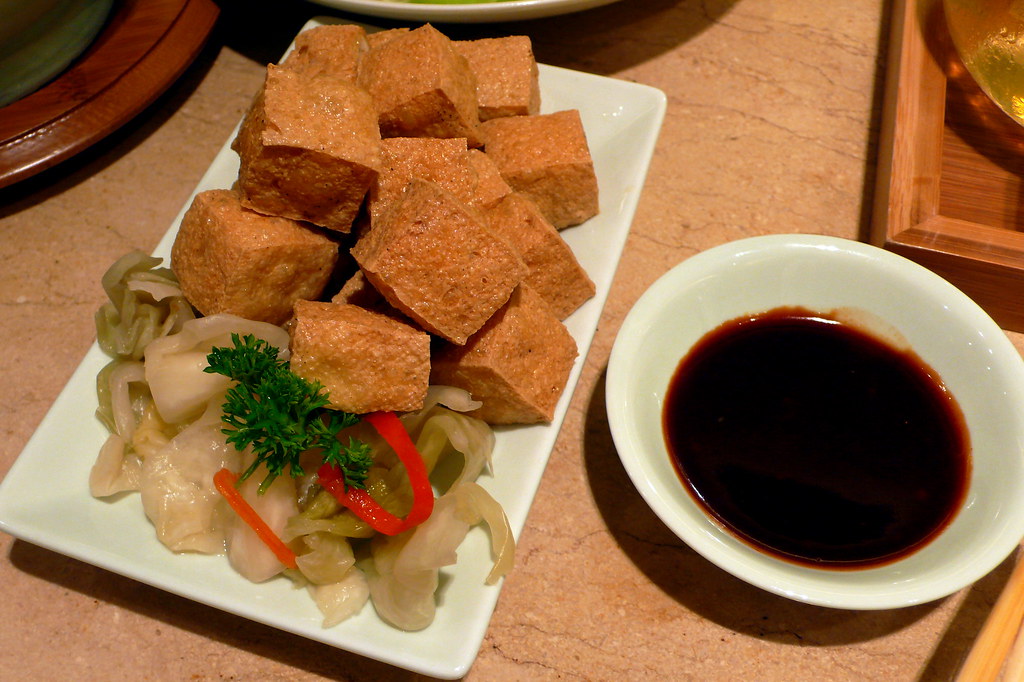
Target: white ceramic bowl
[900,299]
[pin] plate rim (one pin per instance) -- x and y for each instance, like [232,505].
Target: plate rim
[507,10]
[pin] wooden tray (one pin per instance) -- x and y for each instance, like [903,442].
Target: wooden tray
[950,191]
[144,47]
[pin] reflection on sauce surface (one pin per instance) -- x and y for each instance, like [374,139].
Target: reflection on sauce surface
[816,442]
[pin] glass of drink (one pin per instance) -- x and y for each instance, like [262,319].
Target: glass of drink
[989,36]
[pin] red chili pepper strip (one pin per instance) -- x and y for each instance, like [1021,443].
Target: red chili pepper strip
[393,431]
[225,482]
[359,501]
[363,505]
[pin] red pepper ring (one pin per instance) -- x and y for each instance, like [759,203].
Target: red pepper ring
[362,504]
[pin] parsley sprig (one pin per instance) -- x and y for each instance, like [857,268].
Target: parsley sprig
[281,415]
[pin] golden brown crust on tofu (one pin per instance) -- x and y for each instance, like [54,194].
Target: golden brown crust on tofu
[229,259]
[517,365]
[546,157]
[331,50]
[309,149]
[421,86]
[442,161]
[368,362]
[378,38]
[490,186]
[433,260]
[357,291]
[466,173]
[506,75]
[552,268]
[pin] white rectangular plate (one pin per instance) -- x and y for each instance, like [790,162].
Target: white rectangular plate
[622,121]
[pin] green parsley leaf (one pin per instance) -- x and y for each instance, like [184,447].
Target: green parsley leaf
[281,415]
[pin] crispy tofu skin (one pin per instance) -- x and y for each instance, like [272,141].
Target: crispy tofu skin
[357,291]
[552,268]
[506,73]
[330,50]
[421,86]
[309,149]
[517,365]
[378,38]
[433,260]
[490,186]
[546,157]
[466,173]
[442,161]
[430,159]
[229,259]
[367,362]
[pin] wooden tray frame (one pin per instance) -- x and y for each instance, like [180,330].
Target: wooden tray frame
[950,183]
[143,48]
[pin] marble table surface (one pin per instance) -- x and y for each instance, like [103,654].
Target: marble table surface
[773,117]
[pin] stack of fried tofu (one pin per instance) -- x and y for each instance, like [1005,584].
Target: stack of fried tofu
[398,205]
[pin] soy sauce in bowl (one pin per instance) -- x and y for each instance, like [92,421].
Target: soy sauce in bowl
[816,442]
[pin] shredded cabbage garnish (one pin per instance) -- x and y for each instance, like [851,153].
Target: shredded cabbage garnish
[166,441]
[134,316]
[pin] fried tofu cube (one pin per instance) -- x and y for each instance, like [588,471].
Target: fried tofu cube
[546,157]
[378,38]
[421,86]
[358,291]
[229,259]
[309,149]
[506,75]
[368,362]
[517,365]
[466,173]
[434,261]
[552,268]
[441,161]
[490,186]
[331,50]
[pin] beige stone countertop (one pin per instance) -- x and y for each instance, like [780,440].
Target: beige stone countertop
[772,125]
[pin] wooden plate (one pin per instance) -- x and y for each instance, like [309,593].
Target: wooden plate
[144,47]
[950,191]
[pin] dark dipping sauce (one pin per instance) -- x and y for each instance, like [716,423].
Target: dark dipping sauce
[816,442]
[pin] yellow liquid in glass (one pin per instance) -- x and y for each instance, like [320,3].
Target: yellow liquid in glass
[989,35]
